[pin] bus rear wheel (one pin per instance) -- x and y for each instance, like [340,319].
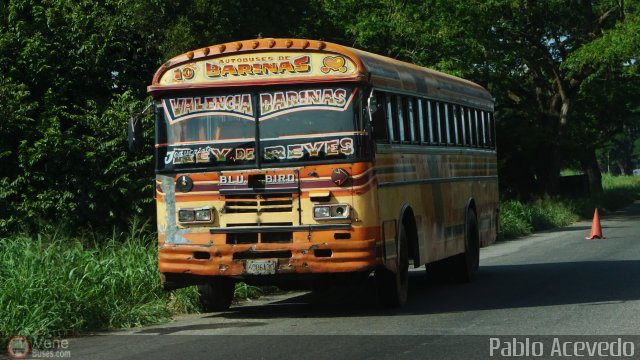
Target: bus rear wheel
[217,294]
[393,286]
[468,263]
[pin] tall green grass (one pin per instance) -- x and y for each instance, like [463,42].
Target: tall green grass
[518,219]
[55,286]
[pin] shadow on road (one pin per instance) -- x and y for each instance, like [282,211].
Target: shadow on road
[497,287]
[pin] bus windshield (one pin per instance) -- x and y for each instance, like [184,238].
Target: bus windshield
[249,129]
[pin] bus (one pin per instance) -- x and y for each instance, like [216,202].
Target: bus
[286,161]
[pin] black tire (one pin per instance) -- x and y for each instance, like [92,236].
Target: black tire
[217,294]
[393,286]
[469,261]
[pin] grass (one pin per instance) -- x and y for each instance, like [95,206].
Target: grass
[54,286]
[519,219]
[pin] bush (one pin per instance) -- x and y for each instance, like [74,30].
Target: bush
[513,220]
[518,219]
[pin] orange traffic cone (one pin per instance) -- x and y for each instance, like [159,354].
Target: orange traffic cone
[596,230]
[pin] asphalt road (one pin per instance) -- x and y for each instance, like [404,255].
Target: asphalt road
[539,287]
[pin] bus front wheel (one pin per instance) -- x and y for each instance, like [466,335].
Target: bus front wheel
[216,294]
[393,285]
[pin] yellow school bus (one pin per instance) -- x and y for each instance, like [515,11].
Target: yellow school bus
[289,160]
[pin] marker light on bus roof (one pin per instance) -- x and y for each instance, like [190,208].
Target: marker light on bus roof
[222,48]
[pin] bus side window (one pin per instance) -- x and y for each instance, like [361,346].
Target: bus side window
[403,122]
[459,125]
[422,122]
[433,122]
[378,119]
[392,123]
[463,123]
[474,128]
[467,124]
[413,120]
[483,129]
[453,127]
[442,123]
[487,130]
[492,130]
[451,132]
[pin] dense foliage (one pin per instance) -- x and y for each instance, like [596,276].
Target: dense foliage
[73,71]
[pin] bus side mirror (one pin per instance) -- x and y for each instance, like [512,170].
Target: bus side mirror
[134,135]
[372,105]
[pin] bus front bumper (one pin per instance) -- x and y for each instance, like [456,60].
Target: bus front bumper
[272,258]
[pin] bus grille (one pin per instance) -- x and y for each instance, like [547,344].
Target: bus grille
[238,204]
[258,204]
[262,237]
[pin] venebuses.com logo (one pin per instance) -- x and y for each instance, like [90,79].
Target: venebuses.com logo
[18,347]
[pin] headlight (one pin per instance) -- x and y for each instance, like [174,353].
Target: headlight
[320,212]
[203,215]
[186,216]
[337,211]
[195,215]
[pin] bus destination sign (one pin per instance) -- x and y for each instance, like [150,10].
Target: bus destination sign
[260,66]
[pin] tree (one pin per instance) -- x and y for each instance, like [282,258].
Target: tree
[66,69]
[610,92]
[545,35]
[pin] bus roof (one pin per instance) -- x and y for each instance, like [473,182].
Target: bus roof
[300,61]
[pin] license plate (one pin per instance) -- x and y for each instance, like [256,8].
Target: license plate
[261,267]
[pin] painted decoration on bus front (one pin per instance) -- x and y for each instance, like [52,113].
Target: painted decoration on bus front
[260,66]
[325,148]
[182,108]
[208,154]
[280,102]
[182,155]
